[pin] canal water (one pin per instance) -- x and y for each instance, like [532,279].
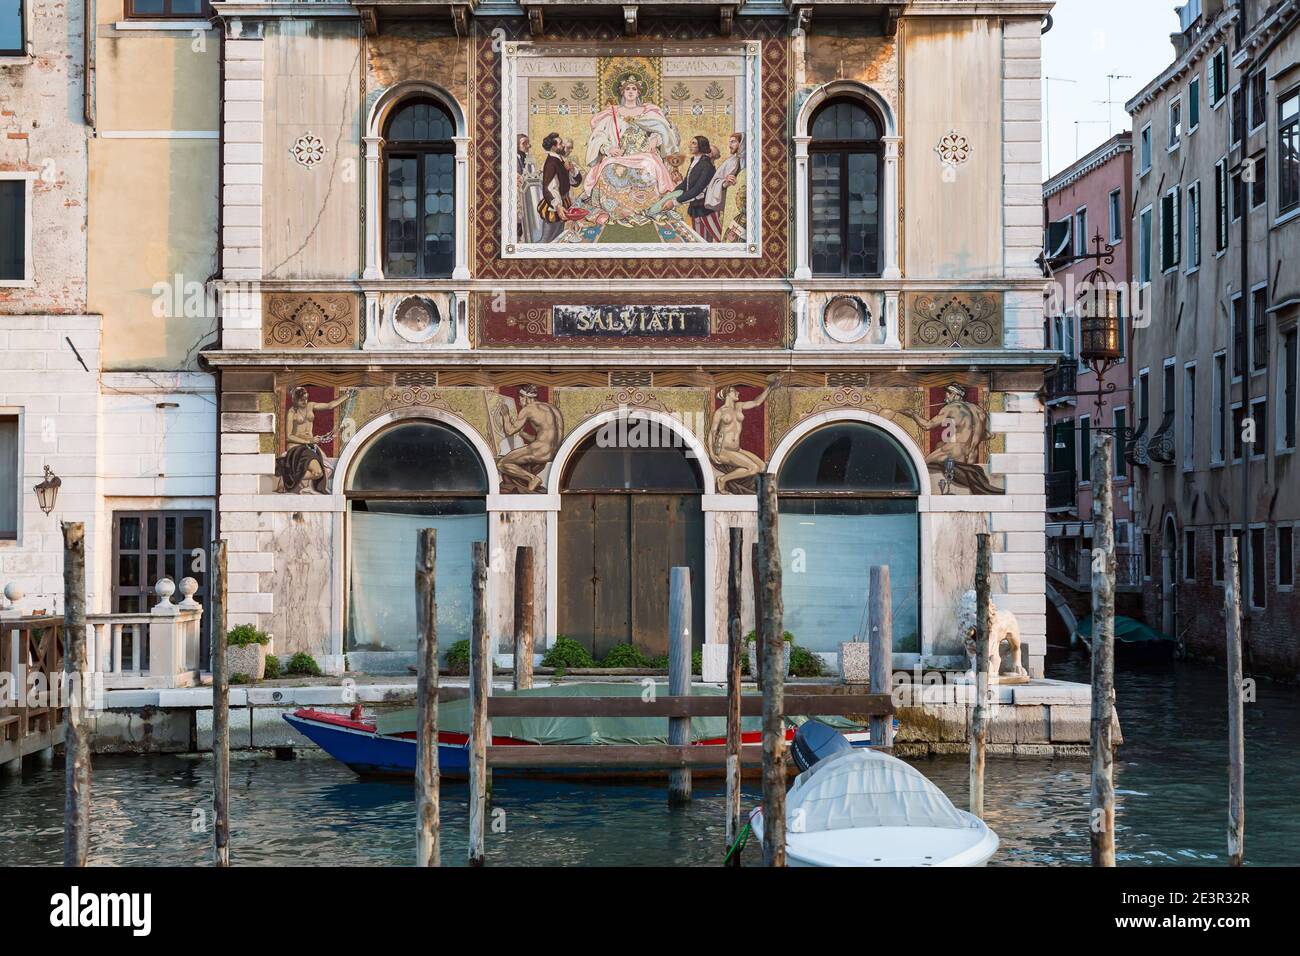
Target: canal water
[1171,778]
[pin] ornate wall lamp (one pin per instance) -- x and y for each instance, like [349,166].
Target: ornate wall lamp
[47,492]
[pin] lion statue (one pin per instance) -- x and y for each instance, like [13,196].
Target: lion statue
[1004,628]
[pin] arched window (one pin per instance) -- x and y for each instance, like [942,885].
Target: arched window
[413,475]
[845,190]
[419,191]
[848,500]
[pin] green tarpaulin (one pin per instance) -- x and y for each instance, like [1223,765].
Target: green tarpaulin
[1127,631]
[453,717]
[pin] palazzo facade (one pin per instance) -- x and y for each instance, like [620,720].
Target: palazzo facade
[571,275]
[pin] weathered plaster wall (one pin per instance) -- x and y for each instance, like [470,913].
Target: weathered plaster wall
[952,77]
[153,192]
[42,134]
[312,86]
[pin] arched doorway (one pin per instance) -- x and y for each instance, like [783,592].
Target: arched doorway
[415,474]
[629,512]
[848,500]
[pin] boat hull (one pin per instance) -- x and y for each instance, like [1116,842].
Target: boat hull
[370,754]
[888,846]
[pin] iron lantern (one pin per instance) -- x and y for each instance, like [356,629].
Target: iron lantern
[47,492]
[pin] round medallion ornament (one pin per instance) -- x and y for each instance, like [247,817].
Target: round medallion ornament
[416,318]
[308,150]
[953,148]
[846,319]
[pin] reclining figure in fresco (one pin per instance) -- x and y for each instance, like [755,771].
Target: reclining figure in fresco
[1003,627]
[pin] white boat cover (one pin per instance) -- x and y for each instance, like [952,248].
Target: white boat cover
[867,788]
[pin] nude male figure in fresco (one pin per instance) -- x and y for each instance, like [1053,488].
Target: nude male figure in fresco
[523,465]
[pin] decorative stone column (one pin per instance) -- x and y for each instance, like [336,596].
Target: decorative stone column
[802,262]
[374,214]
[461,270]
[893,318]
[889,221]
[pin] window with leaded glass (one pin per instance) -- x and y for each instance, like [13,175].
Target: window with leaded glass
[845,178]
[419,191]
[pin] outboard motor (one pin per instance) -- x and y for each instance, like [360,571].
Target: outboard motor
[815,741]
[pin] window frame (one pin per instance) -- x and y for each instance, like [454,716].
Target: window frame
[1288,413]
[1222,200]
[1217,77]
[1259,448]
[843,149]
[1193,227]
[420,150]
[1257,109]
[1174,115]
[1257,193]
[1219,411]
[1241,351]
[1189,416]
[1258,581]
[1257,317]
[1121,446]
[15,414]
[21,49]
[1289,128]
[1115,209]
[28,279]
[1146,243]
[1194,104]
[1171,233]
[204,13]
[1144,150]
[1081,237]
[1189,555]
[1084,426]
[1278,563]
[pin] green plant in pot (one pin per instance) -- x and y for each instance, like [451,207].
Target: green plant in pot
[246,649]
[751,652]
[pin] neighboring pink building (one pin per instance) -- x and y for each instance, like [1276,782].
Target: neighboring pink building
[1092,196]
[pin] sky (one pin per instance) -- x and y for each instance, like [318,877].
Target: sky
[1090,39]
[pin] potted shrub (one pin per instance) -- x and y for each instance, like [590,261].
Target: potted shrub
[246,652]
[751,652]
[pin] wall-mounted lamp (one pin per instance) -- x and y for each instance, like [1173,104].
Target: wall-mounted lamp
[47,492]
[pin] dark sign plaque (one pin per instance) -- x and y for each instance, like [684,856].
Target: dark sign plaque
[691,321]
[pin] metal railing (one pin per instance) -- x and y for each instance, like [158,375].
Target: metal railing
[1062,381]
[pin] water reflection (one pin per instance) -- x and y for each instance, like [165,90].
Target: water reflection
[1171,779]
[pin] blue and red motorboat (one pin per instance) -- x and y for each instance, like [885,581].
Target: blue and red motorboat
[385,745]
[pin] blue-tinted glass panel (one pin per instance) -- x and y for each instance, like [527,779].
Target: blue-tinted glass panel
[836,542]
[419,457]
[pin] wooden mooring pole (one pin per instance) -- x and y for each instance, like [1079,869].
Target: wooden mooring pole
[480,686]
[524,610]
[76,798]
[979,714]
[220,711]
[880,647]
[755,572]
[426,760]
[1236,710]
[735,647]
[679,676]
[769,610]
[1102,816]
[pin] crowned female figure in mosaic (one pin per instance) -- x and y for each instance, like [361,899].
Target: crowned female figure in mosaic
[627,151]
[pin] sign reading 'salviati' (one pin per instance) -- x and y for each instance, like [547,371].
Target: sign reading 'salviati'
[635,320]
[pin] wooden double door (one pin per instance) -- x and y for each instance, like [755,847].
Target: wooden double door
[616,552]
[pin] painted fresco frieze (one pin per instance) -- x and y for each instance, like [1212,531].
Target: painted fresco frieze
[736,417]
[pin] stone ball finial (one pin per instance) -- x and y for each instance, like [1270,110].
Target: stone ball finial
[188,587]
[13,592]
[165,588]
